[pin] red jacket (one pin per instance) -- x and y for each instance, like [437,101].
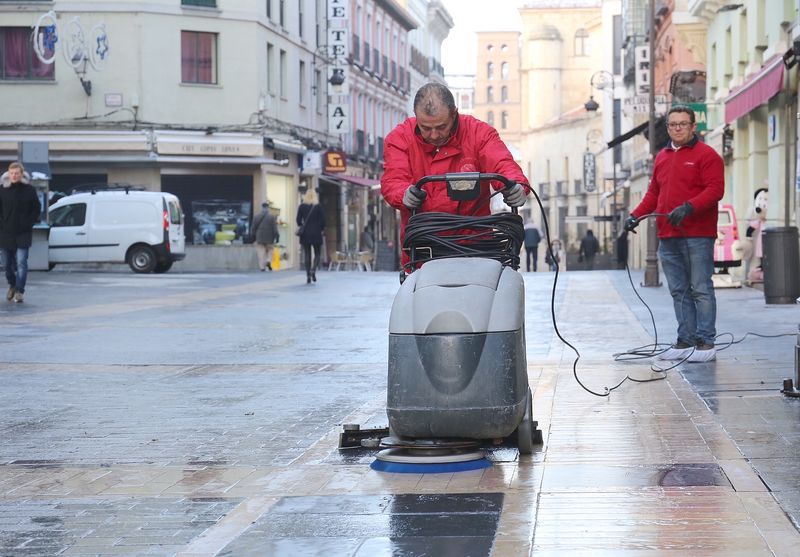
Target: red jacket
[693,173]
[475,147]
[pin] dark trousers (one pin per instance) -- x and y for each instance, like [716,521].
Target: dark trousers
[531,253]
[307,257]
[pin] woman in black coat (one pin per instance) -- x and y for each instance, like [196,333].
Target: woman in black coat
[311,225]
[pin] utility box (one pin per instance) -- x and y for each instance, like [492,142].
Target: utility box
[781,265]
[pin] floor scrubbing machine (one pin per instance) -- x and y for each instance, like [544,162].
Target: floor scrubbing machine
[458,376]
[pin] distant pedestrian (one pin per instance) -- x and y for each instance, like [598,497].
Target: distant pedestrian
[311,226]
[367,239]
[19,212]
[556,257]
[532,239]
[265,230]
[589,248]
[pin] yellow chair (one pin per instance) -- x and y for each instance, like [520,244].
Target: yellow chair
[365,260]
[339,259]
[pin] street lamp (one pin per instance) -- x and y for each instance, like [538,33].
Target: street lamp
[600,80]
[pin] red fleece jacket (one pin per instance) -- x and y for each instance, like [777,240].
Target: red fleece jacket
[693,173]
[474,147]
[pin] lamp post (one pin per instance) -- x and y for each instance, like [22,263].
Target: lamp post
[651,257]
[600,80]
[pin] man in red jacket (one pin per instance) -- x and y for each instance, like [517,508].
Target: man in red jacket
[687,184]
[438,140]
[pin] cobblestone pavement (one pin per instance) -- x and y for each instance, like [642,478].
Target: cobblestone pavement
[199,415]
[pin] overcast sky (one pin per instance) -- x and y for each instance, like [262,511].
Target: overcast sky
[459,48]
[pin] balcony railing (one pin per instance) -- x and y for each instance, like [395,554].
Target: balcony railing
[203,3]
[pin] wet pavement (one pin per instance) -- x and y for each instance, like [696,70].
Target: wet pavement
[199,414]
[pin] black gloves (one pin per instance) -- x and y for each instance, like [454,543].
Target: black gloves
[630,224]
[413,197]
[679,213]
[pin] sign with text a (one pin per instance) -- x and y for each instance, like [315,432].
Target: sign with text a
[335,161]
[589,172]
[641,60]
[338,117]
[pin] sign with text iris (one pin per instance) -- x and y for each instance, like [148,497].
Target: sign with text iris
[641,59]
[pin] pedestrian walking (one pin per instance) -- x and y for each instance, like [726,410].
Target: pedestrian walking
[687,184]
[532,239]
[19,212]
[310,227]
[265,231]
[556,257]
[589,248]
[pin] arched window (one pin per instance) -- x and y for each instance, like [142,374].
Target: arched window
[490,47]
[490,118]
[581,36]
[504,94]
[490,70]
[490,94]
[504,120]
[503,48]
[504,70]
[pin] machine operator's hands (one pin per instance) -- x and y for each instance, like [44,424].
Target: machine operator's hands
[679,213]
[413,197]
[515,196]
[630,224]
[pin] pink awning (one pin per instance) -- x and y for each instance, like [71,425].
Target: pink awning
[756,90]
[356,180]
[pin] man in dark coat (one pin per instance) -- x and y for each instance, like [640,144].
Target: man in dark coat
[19,211]
[589,248]
[265,229]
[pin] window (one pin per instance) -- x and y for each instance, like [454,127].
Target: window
[504,120]
[580,42]
[319,91]
[504,70]
[302,82]
[282,13]
[504,94]
[503,48]
[17,58]
[300,18]
[490,47]
[284,76]
[270,69]
[204,3]
[198,57]
[490,94]
[490,70]
[269,10]
[68,215]
[490,118]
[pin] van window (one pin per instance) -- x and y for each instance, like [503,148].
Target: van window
[175,212]
[68,215]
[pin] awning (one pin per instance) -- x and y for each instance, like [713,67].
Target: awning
[627,135]
[285,146]
[38,170]
[756,90]
[357,180]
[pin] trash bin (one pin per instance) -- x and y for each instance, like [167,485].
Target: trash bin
[781,265]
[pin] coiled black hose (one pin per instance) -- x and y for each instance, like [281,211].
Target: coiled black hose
[444,235]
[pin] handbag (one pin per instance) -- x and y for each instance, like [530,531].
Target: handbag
[302,227]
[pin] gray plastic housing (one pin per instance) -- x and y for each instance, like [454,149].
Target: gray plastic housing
[457,366]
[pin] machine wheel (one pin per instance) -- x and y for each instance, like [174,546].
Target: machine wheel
[525,427]
[142,259]
[163,267]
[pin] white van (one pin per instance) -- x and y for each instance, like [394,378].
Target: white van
[141,228]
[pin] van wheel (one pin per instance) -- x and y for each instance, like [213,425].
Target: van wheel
[163,267]
[142,259]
